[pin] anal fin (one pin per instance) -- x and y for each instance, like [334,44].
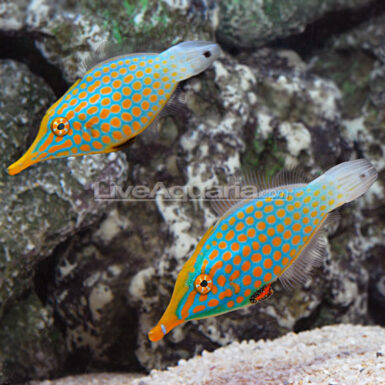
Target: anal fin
[310,257]
[174,106]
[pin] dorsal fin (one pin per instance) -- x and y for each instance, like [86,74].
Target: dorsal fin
[289,177]
[222,205]
[310,257]
[255,183]
[129,55]
[106,52]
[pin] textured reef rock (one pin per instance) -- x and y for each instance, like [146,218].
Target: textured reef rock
[334,354]
[82,281]
[250,23]
[67,31]
[369,37]
[40,209]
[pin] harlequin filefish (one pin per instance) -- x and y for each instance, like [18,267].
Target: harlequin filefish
[114,102]
[276,233]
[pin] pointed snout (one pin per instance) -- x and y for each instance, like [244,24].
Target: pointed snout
[24,162]
[165,325]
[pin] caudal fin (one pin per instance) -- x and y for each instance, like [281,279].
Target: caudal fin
[347,181]
[191,57]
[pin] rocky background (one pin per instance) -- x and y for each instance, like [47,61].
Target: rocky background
[81,280]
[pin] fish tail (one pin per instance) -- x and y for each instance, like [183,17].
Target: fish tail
[346,182]
[190,58]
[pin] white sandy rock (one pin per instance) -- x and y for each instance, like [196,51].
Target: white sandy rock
[343,355]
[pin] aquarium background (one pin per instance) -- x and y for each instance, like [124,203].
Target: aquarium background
[82,280]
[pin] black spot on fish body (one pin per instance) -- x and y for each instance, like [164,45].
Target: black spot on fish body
[262,294]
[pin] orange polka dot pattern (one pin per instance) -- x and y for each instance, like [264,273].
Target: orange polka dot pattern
[254,245]
[115,101]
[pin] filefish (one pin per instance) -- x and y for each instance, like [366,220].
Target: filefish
[276,233]
[114,102]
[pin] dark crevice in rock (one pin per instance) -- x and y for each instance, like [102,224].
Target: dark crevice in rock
[21,47]
[44,279]
[307,323]
[318,33]
[49,285]
[376,297]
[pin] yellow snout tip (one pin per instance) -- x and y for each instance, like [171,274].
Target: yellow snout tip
[157,333]
[24,162]
[16,167]
[165,325]
[20,165]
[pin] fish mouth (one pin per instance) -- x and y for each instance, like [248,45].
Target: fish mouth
[24,162]
[30,156]
[164,326]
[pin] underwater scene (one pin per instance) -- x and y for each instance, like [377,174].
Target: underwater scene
[192,192]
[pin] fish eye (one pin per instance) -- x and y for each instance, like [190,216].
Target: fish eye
[60,126]
[203,284]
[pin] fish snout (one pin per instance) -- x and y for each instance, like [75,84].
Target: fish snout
[165,325]
[27,160]
[20,165]
[157,333]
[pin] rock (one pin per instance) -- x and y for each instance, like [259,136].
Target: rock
[32,347]
[88,295]
[369,37]
[68,32]
[44,205]
[94,379]
[331,355]
[250,24]
[12,15]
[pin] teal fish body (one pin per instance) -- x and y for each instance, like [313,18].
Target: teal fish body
[274,235]
[114,102]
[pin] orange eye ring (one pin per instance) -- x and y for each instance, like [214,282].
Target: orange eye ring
[60,126]
[203,284]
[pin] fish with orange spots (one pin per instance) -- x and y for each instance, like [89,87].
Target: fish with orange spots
[275,233]
[114,102]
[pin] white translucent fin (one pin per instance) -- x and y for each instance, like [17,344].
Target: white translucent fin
[333,220]
[279,181]
[222,206]
[175,105]
[255,183]
[310,257]
[191,57]
[290,177]
[230,200]
[352,178]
